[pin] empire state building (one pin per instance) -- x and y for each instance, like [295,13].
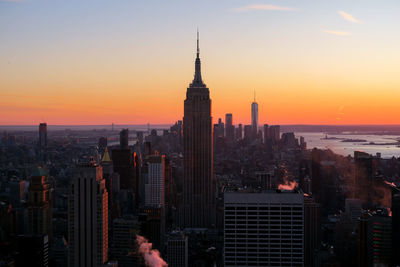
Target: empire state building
[198,183]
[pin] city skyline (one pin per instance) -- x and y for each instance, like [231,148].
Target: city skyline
[106,161]
[311,63]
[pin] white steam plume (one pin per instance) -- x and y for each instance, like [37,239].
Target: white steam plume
[151,256]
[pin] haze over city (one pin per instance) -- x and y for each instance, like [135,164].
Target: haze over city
[128,62]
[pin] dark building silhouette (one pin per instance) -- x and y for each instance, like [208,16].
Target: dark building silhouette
[395,226]
[239,132]
[124,139]
[102,143]
[374,239]
[59,253]
[123,241]
[219,129]
[32,250]
[147,149]
[364,251]
[316,174]
[17,192]
[42,136]
[274,133]
[152,221]
[88,217]
[39,205]
[229,128]
[365,168]
[312,230]
[198,189]
[248,133]
[124,165]
[289,140]
[254,117]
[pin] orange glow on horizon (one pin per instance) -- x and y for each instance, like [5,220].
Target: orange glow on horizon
[98,92]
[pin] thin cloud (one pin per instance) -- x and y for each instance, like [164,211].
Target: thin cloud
[263,7]
[348,17]
[337,33]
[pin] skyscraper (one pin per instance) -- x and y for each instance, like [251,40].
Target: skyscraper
[229,128]
[155,186]
[364,173]
[274,133]
[42,135]
[312,230]
[254,117]
[124,139]
[39,208]
[374,238]
[239,132]
[123,163]
[228,119]
[396,226]
[248,133]
[198,185]
[88,217]
[111,179]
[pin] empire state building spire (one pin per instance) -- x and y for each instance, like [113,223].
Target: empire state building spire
[199,204]
[197,81]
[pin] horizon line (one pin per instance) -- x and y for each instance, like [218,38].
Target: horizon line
[146,124]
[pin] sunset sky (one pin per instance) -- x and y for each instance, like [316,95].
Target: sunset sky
[131,61]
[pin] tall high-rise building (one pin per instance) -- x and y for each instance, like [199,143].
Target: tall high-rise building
[39,206]
[219,129]
[374,239]
[289,140]
[111,179]
[88,217]
[102,144]
[312,230]
[124,139]
[229,128]
[198,184]
[124,165]
[155,186]
[254,117]
[396,226]
[274,133]
[239,132]
[228,119]
[248,132]
[43,135]
[263,229]
[364,172]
